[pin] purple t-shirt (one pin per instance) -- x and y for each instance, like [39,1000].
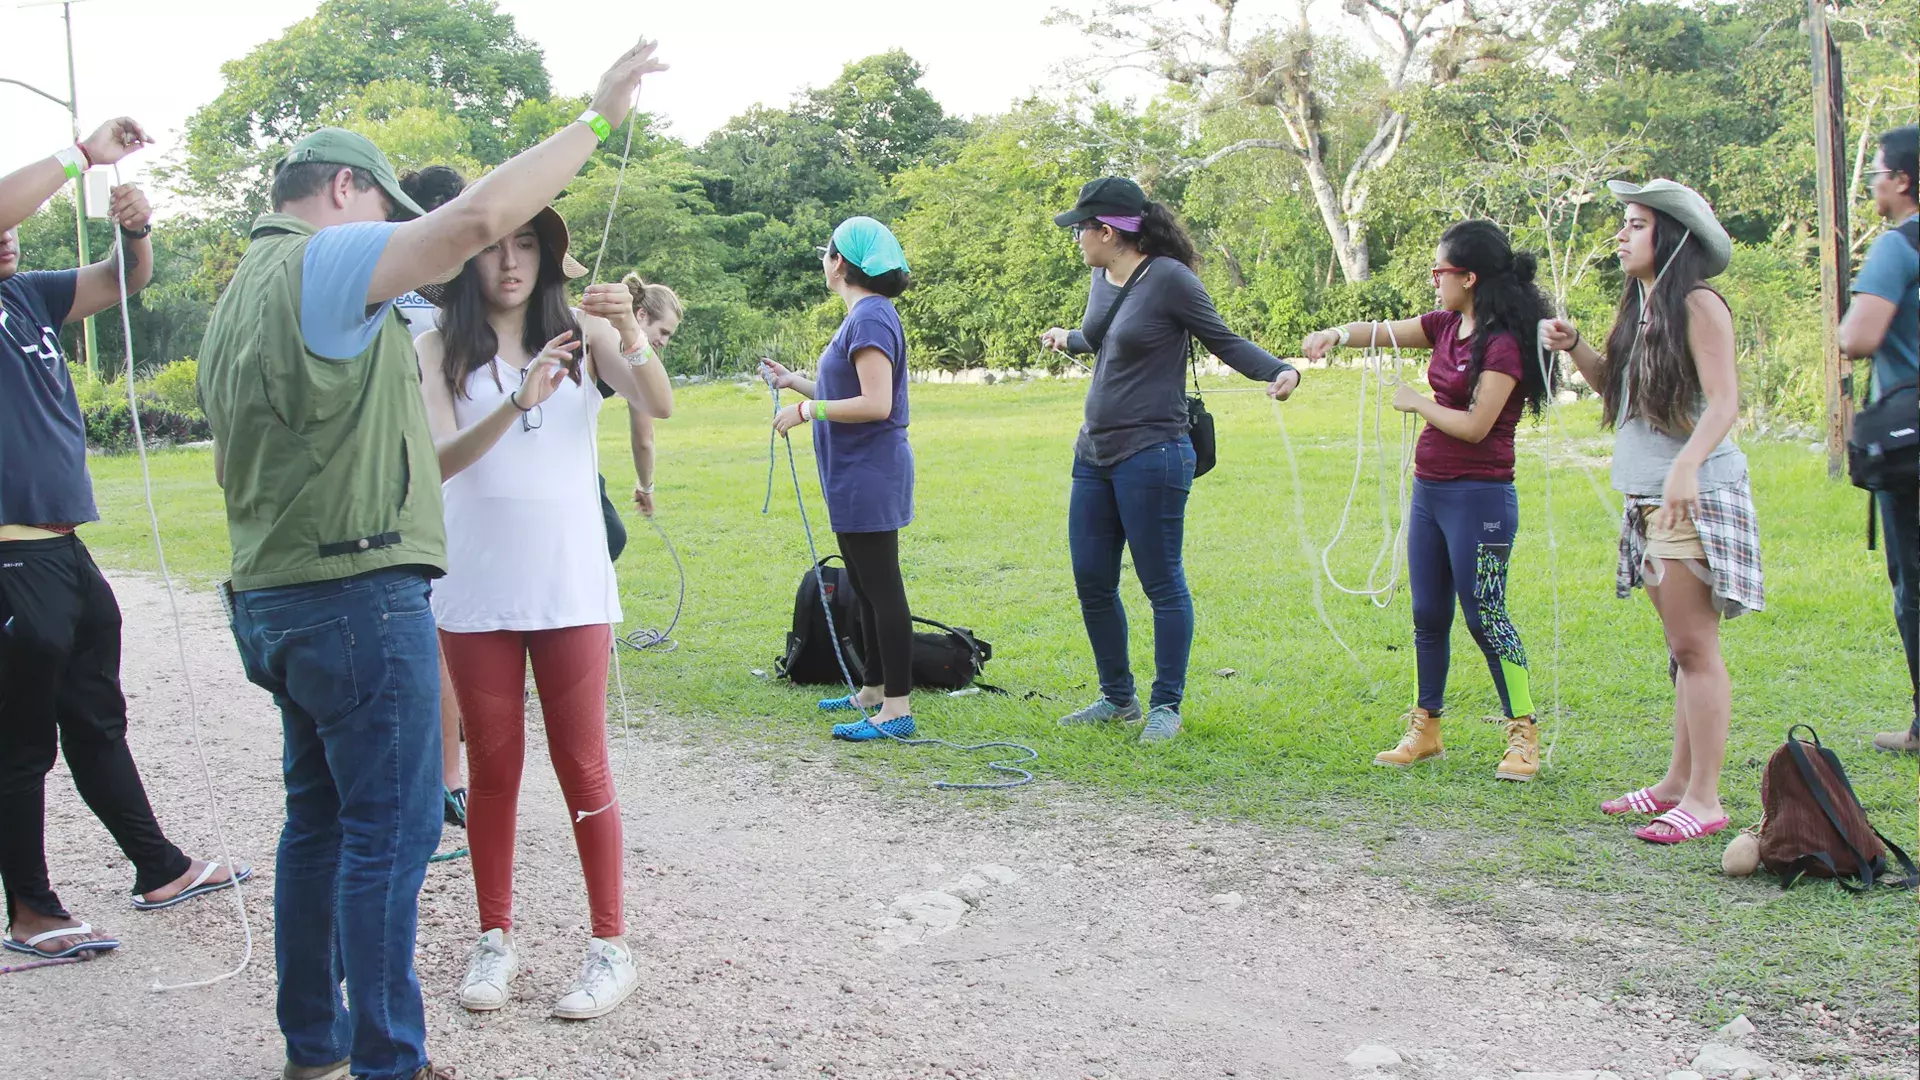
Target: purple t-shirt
[866,470]
[1440,456]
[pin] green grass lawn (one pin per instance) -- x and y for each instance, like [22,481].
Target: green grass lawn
[1289,737]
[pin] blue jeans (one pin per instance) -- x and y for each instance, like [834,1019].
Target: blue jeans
[353,665]
[1139,505]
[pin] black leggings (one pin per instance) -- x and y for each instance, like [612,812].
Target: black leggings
[60,677]
[886,637]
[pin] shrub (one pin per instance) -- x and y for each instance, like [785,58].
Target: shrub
[174,386]
[110,425]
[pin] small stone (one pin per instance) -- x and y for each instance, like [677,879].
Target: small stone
[1004,875]
[1684,1074]
[1722,1062]
[1229,900]
[779,1061]
[1736,1029]
[939,911]
[1372,1055]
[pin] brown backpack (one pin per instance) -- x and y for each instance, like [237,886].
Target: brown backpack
[1814,824]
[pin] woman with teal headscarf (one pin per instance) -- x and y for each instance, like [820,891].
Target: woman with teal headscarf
[857,404]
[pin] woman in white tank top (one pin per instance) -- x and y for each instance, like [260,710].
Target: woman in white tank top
[511,400]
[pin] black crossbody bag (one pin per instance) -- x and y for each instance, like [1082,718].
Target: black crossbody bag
[1883,453]
[1199,422]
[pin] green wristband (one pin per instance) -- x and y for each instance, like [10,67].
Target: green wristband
[819,409]
[72,161]
[601,129]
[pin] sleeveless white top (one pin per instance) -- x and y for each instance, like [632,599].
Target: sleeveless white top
[533,500]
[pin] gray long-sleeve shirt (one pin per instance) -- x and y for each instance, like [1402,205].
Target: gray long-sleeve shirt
[1138,397]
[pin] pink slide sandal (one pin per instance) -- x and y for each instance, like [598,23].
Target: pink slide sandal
[1637,802]
[1681,826]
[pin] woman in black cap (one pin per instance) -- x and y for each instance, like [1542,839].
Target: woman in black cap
[1133,462]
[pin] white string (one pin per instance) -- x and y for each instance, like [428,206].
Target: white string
[1553,542]
[1300,531]
[179,634]
[1391,539]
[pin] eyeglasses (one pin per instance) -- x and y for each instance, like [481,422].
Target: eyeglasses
[821,252]
[1086,226]
[1438,271]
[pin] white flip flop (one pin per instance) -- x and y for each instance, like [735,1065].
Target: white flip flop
[31,946]
[200,887]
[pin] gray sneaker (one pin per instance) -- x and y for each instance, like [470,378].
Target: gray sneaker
[1163,723]
[1103,712]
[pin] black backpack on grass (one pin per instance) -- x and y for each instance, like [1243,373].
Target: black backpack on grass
[810,658]
[950,659]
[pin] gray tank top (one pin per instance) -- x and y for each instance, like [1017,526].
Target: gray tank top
[1643,454]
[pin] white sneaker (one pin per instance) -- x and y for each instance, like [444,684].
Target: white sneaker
[606,979]
[491,965]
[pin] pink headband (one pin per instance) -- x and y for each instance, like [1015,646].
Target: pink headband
[1124,224]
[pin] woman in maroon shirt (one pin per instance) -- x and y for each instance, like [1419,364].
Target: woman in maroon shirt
[1485,372]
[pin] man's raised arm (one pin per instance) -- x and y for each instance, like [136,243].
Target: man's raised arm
[428,248]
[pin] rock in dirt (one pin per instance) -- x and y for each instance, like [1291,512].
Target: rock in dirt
[1717,1061]
[933,909]
[1372,1055]
[999,875]
[1736,1029]
[1578,1074]
[1685,1074]
[1229,900]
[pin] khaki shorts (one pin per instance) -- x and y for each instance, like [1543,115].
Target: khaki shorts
[1679,541]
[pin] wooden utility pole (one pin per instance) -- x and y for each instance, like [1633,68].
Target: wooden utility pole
[1830,143]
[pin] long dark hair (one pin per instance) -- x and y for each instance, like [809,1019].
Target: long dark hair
[1505,301]
[1162,234]
[1665,384]
[470,341]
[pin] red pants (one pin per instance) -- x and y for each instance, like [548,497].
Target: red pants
[570,671]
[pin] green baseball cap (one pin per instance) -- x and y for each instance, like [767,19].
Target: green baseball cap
[338,146]
[869,245]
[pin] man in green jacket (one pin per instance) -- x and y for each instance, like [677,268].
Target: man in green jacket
[332,484]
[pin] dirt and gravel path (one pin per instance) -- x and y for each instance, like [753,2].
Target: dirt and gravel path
[1089,940]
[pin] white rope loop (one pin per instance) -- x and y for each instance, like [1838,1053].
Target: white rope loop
[1392,547]
[179,634]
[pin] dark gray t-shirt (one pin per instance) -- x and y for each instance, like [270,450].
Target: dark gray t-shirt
[1138,397]
[43,438]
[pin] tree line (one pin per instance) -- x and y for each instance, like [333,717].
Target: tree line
[1314,164]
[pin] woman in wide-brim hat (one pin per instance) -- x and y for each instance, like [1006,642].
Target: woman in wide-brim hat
[1669,390]
[511,401]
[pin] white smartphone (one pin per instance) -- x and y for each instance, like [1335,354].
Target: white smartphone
[99,192]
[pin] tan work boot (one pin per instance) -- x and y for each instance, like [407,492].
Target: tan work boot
[1422,741]
[1522,761]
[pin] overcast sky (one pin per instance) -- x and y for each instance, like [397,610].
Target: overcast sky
[159,60]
